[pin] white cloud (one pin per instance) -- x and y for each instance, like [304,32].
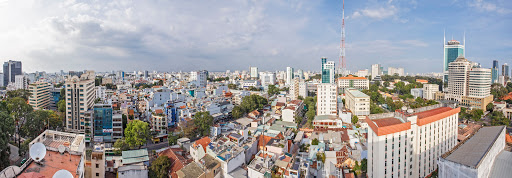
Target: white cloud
[378,13]
[485,6]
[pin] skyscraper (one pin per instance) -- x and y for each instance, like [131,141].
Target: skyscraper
[11,69]
[452,50]
[103,122]
[328,70]
[80,96]
[289,76]
[494,71]
[254,72]
[200,77]
[376,70]
[504,70]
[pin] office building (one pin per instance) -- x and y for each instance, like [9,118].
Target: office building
[102,123]
[417,92]
[357,102]
[289,76]
[360,83]
[505,72]
[376,70]
[429,91]
[267,78]
[11,69]
[362,73]
[254,73]
[468,84]
[300,74]
[21,82]
[40,97]
[407,143]
[326,99]
[117,126]
[80,96]
[480,156]
[494,71]
[398,71]
[146,74]
[199,78]
[452,50]
[328,71]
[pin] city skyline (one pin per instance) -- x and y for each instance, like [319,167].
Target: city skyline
[174,36]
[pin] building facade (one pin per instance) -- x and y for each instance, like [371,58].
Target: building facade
[495,70]
[40,97]
[289,75]
[376,70]
[328,71]
[357,102]
[200,77]
[452,50]
[326,99]
[429,91]
[80,96]
[254,73]
[20,82]
[360,83]
[11,69]
[407,143]
[102,123]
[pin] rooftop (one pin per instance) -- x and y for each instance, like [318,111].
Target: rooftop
[358,94]
[502,165]
[351,77]
[135,156]
[387,121]
[53,162]
[474,150]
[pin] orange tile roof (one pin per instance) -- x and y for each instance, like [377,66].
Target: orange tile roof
[31,175]
[433,115]
[351,77]
[387,127]
[508,138]
[507,97]
[203,142]
[421,81]
[386,122]
[177,160]
[159,111]
[53,162]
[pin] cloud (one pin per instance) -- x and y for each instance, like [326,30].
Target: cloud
[485,6]
[377,13]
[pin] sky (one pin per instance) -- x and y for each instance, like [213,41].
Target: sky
[219,35]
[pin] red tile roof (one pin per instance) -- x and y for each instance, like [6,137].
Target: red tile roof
[203,142]
[433,115]
[177,160]
[351,77]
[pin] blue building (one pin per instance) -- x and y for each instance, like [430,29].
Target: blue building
[495,71]
[452,50]
[102,123]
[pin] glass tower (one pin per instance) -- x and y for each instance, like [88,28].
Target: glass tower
[494,71]
[327,71]
[103,122]
[452,50]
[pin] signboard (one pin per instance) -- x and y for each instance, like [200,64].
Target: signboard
[98,139]
[108,130]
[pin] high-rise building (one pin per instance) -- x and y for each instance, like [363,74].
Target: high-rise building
[399,71]
[429,91]
[254,73]
[11,69]
[20,82]
[357,102]
[267,78]
[328,71]
[199,77]
[300,74]
[468,84]
[80,96]
[505,71]
[376,70]
[40,95]
[102,123]
[289,76]
[407,143]
[327,103]
[452,50]
[146,74]
[494,71]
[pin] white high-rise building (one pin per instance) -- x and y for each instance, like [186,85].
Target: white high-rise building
[399,71]
[362,73]
[199,77]
[350,81]
[327,103]
[376,70]
[267,78]
[40,95]
[289,75]
[21,82]
[409,143]
[328,72]
[357,102]
[479,84]
[254,72]
[303,89]
[429,91]
[80,96]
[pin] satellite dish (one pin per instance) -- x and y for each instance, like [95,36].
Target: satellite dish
[62,174]
[61,148]
[37,152]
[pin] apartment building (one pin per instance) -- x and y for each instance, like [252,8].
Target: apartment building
[407,143]
[360,83]
[357,102]
[40,95]
[327,103]
[429,91]
[80,96]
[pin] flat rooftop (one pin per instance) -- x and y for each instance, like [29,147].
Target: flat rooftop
[358,94]
[474,150]
[432,112]
[502,165]
[53,162]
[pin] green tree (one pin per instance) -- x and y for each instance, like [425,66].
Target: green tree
[137,133]
[314,141]
[203,121]
[237,112]
[120,145]
[160,167]
[62,94]
[272,90]
[497,118]
[476,114]
[386,84]
[61,106]
[35,123]
[173,139]
[490,107]
[124,121]
[232,86]
[97,80]
[22,93]
[355,119]
[19,109]
[364,165]
[6,131]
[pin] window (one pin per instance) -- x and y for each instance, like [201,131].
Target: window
[97,174]
[97,166]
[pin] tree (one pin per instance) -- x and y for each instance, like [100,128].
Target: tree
[237,112]
[497,118]
[55,121]
[22,93]
[355,119]
[136,133]
[18,109]
[364,165]
[98,80]
[320,157]
[34,124]
[6,131]
[490,107]
[386,84]
[160,167]
[272,90]
[232,86]
[314,141]
[120,145]
[125,121]
[203,121]
[62,94]
[61,106]
[476,114]
[173,139]
[300,98]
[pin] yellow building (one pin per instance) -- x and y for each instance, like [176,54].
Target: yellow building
[40,95]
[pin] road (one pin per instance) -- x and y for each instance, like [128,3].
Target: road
[152,146]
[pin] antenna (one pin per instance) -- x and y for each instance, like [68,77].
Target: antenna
[62,174]
[37,152]
[342,46]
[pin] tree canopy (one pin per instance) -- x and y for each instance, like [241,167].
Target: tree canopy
[6,130]
[203,121]
[136,133]
[160,167]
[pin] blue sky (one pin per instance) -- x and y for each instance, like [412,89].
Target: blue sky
[271,34]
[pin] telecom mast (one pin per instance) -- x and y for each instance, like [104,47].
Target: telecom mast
[343,67]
